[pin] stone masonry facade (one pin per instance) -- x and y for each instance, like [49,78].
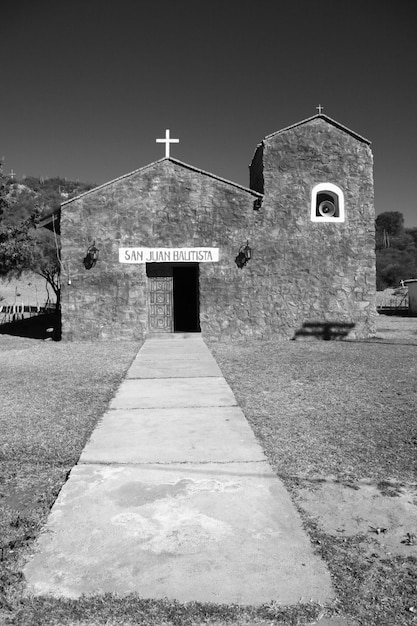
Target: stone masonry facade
[166,204]
[320,271]
[300,270]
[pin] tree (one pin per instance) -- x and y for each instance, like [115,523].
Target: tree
[21,203]
[3,191]
[27,248]
[392,222]
[402,241]
[22,245]
[413,233]
[394,265]
[396,250]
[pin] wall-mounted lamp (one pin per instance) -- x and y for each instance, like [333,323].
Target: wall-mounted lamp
[91,257]
[244,255]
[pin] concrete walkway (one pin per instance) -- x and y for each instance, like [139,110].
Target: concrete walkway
[173,497]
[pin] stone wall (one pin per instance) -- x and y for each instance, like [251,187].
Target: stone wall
[320,271]
[163,205]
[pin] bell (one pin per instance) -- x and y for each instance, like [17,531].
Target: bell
[327,208]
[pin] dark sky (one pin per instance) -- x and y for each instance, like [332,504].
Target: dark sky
[88,85]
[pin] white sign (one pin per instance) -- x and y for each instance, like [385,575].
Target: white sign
[168,255]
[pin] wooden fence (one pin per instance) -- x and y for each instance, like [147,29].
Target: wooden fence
[13,312]
[396,303]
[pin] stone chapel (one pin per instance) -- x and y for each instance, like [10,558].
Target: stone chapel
[170,248]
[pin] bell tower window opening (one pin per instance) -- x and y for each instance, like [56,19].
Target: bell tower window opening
[327,203]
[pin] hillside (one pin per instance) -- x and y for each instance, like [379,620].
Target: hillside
[21,198]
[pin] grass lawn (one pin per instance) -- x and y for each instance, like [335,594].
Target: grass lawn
[337,408]
[325,413]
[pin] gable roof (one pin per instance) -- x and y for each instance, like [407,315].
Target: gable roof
[52,219]
[327,119]
[177,162]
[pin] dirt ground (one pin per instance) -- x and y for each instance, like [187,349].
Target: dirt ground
[385,515]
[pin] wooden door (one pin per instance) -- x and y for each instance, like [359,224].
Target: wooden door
[161,304]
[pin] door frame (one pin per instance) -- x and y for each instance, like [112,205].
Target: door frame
[164,272]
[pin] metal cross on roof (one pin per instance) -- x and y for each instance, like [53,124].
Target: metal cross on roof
[167,141]
[319,109]
[12,174]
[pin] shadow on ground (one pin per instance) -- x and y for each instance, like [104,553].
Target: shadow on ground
[45,326]
[324,330]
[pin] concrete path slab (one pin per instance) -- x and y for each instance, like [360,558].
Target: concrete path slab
[174,359]
[173,497]
[196,435]
[163,350]
[208,533]
[197,367]
[173,392]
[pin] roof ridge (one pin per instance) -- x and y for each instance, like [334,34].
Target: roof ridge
[145,167]
[327,119]
[215,176]
[114,180]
